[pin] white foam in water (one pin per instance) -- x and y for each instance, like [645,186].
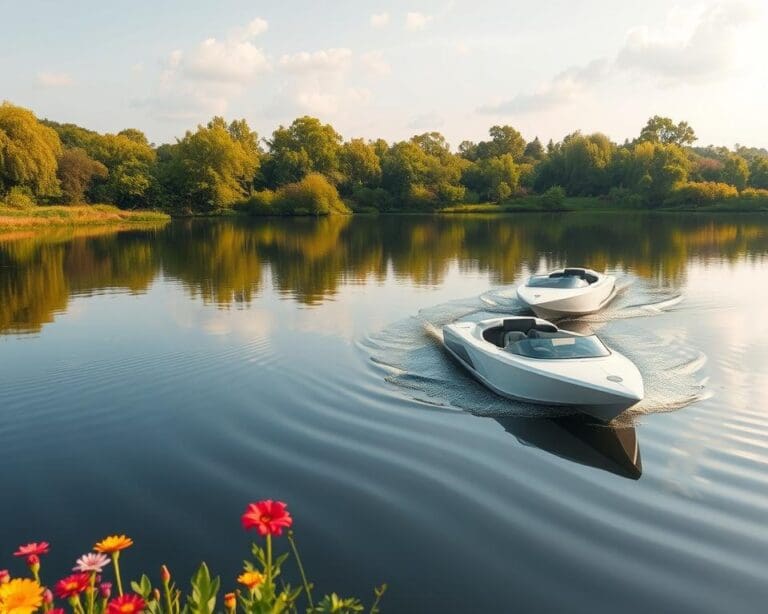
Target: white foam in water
[411,355]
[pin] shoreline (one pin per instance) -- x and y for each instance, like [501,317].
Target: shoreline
[57,216]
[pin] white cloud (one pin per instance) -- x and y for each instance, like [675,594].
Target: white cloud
[562,89]
[325,60]
[375,64]
[235,59]
[690,46]
[54,79]
[380,20]
[417,21]
[462,48]
[426,121]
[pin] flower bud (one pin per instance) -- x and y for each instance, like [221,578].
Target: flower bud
[105,589]
[4,576]
[230,601]
[165,575]
[48,596]
[33,562]
[156,594]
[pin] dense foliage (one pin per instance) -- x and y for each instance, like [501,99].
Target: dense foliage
[308,168]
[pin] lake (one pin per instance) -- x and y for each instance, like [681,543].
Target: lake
[154,382]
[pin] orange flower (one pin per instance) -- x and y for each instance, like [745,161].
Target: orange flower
[20,596]
[230,601]
[113,543]
[251,579]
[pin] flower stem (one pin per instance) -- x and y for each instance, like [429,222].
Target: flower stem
[118,579]
[92,593]
[269,564]
[167,591]
[307,588]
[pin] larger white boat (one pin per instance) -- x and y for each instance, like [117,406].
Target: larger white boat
[530,359]
[567,292]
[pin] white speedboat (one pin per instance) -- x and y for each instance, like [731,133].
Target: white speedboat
[530,359]
[567,292]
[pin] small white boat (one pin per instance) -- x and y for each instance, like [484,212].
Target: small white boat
[530,359]
[567,292]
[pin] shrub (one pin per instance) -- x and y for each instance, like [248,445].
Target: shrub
[622,197]
[553,198]
[701,192]
[88,591]
[373,198]
[754,194]
[259,203]
[313,195]
[18,198]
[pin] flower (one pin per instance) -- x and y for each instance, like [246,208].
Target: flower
[56,611]
[113,544]
[127,604]
[165,574]
[47,596]
[91,562]
[105,589]
[251,579]
[267,517]
[33,548]
[20,596]
[4,576]
[71,586]
[230,601]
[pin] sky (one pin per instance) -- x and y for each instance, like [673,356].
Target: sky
[393,69]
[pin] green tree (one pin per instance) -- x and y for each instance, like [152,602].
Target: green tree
[651,170]
[212,167]
[359,165]
[758,173]
[534,150]
[29,152]
[76,172]
[664,130]
[580,164]
[306,146]
[493,179]
[735,171]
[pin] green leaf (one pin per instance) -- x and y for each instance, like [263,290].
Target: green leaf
[204,591]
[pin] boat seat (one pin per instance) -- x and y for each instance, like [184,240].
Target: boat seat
[546,334]
[513,336]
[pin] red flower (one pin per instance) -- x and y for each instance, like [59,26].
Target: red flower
[56,611]
[127,604]
[33,548]
[105,589]
[72,586]
[267,517]
[4,576]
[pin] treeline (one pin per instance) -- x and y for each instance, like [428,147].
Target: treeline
[307,167]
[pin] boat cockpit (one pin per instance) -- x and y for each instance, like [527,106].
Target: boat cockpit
[565,279]
[526,337]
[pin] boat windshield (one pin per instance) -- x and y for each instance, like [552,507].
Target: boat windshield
[559,347]
[545,281]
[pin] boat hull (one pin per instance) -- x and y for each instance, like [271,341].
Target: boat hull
[581,383]
[553,303]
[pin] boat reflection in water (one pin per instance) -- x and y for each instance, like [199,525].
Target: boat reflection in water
[582,440]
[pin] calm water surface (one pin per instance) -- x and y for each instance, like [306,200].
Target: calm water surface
[153,382]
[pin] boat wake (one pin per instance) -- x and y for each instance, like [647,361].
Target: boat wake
[409,353]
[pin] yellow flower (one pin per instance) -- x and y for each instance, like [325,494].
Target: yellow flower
[230,601]
[20,596]
[113,543]
[251,579]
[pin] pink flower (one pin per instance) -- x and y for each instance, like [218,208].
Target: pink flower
[267,517]
[4,576]
[105,589]
[33,548]
[92,562]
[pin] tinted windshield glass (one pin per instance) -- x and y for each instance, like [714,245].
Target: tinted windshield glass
[544,281]
[559,347]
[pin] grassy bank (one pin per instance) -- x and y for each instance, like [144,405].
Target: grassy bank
[533,203]
[76,215]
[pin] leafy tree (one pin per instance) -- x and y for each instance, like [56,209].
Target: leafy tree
[534,150]
[735,171]
[651,170]
[212,167]
[306,146]
[553,198]
[504,140]
[492,179]
[28,152]
[664,130]
[76,172]
[758,173]
[580,164]
[359,165]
